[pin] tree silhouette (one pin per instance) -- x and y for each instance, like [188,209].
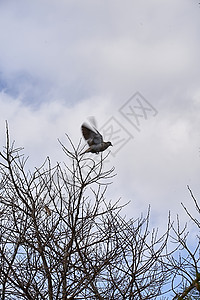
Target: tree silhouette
[185,271]
[61,239]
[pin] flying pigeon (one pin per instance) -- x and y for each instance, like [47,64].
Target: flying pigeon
[94,140]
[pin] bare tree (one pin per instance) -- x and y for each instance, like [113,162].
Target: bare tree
[61,239]
[185,261]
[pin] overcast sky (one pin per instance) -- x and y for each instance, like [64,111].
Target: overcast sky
[134,65]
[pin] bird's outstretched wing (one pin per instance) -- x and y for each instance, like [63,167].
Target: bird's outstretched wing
[91,136]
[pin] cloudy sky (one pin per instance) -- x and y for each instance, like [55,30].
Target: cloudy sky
[134,65]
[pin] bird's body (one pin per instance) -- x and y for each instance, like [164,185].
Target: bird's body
[94,140]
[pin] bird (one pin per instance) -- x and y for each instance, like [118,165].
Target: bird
[94,140]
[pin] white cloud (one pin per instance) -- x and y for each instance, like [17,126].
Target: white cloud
[62,61]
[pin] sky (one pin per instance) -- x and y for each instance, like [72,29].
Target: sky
[134,65]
